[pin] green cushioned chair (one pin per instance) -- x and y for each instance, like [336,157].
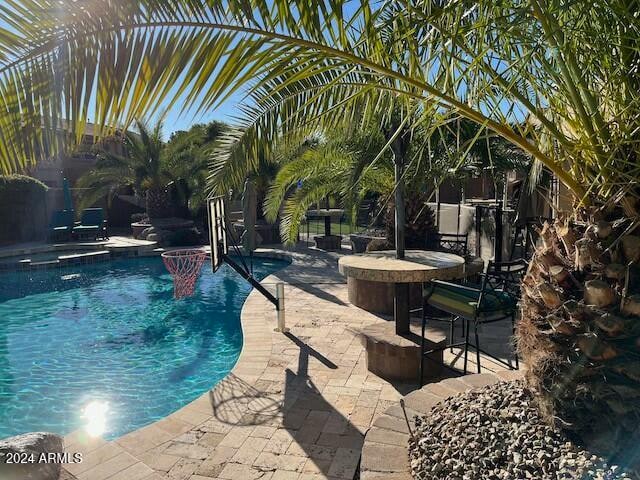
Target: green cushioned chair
[464,301]
[495,300]
[456,243]
[61,224]
[92,224]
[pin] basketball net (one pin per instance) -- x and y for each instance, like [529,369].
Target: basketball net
[184,266]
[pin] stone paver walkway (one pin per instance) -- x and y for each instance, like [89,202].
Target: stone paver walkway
[295,407]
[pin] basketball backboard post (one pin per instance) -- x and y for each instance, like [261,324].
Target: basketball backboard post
[217,231]
[280,308]
[220,237]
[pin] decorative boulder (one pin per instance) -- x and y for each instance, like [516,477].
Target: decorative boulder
[146,232]
[28,449]
[186,237]
[163,237]
[359,242]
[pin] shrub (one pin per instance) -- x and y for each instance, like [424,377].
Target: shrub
[20,184]
[186,237]
[23,209]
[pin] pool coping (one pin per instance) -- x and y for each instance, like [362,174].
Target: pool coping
[127,452]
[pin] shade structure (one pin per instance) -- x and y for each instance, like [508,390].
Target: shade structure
[66,191]
[249,216]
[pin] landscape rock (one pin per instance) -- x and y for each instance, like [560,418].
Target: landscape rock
[28,448]
[497,432]
[163,237]
[146,232]
[359,242]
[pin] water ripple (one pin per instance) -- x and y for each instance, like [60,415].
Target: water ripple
[113,333]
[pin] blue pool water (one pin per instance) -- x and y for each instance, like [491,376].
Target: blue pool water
[111,337]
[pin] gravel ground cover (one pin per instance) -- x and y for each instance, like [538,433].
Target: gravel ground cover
[497,433]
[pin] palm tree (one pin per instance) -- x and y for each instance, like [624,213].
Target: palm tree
[140,169]
[187,156]
[350,164]
[560,80]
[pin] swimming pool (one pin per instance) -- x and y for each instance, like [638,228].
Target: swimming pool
[106,346]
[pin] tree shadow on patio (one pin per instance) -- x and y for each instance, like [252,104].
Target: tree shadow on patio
[308,425]
[325,434]
[305,281]
[319,271]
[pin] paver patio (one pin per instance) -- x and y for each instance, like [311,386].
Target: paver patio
[295,407]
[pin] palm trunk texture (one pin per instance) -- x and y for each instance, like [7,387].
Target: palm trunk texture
[579,332]
[158,202]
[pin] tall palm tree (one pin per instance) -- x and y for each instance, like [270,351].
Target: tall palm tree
[347,164]
[558,79]
[326,165]
[187,156]
[140,168]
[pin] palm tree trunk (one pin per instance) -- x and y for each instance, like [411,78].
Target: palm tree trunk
[158,202]
[579,333]
[420,229]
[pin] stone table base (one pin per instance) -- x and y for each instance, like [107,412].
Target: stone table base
[377,297]
[395,357]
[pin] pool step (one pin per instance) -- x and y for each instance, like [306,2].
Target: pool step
[85,257]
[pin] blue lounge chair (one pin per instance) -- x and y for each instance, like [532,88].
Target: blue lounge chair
[92,224]
[61,225]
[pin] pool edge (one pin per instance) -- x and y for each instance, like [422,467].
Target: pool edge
[253,359]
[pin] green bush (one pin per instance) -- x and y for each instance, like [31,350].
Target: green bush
[186,237]
[22,209]
[20,184]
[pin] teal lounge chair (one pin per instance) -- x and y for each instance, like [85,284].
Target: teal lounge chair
[61,225]
[92,224]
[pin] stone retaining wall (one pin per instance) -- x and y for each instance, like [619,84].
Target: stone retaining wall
[385,453]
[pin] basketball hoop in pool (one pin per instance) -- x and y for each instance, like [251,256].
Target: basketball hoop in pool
[184,266]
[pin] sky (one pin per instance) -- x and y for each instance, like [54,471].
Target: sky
[174,121]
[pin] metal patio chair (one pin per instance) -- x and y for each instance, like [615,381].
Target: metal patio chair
[495,300]
[454,243]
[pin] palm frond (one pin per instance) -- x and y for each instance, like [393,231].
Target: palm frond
[554,78]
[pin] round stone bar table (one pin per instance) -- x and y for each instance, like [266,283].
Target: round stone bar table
[375,278]
[327,241]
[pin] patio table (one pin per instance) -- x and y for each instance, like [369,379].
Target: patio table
[328,215]
[418,266]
